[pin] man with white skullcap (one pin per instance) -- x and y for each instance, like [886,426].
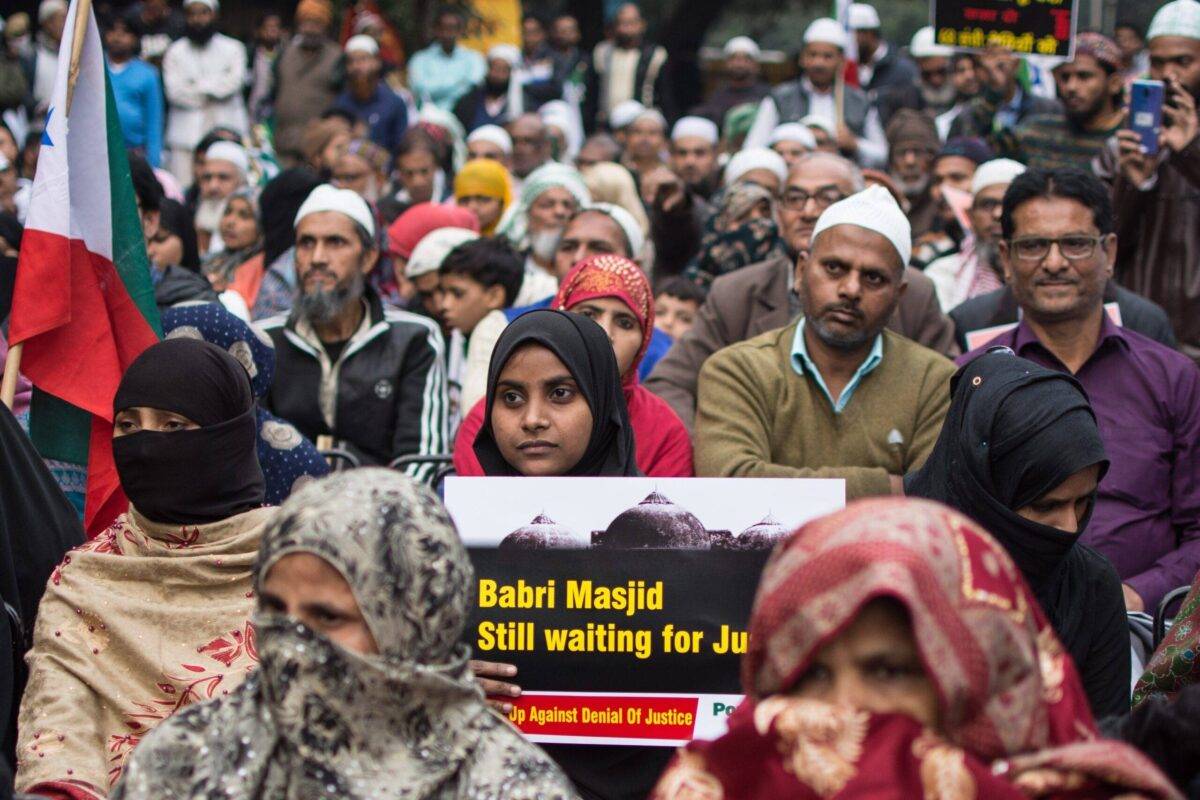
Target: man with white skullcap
[976,268]
[792,140]
[225,170]
[880,65]
[445,71]
[742,84]
[833,395]
[859,134]
[371,377]
[500,98]
[762,296]
[758,165]
[1157,198]
[203,74]
[694,153]
[367,98]
[931,91]
[490,141]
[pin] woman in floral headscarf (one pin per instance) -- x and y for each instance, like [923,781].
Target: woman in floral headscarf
[1176,663]
[614,292]
[895,651]
[363,688]
[744,231]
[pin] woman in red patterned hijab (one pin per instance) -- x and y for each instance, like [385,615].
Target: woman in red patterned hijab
[990,706]
[615,293]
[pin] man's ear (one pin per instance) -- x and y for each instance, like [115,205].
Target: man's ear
[1005,261]
[370,258]
[494,297]
[1109,244]
[798,270]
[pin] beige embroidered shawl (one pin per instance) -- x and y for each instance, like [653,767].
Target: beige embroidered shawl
[136,624]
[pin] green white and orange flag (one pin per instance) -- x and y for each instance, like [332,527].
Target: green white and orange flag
[83,303]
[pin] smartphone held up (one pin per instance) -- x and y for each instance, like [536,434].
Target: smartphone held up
[1146,112]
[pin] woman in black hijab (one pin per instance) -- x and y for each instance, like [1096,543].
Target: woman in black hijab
[555,407]
[554,402]
[155,608]
[1021,454]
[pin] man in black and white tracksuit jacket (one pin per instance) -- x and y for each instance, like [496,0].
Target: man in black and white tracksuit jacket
[346,366]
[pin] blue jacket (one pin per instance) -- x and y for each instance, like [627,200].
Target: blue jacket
[138,92]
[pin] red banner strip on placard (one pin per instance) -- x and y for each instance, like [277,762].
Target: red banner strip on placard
[615,716]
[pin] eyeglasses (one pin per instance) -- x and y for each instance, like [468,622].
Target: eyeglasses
[797,199]
[988,205]
[1073,248]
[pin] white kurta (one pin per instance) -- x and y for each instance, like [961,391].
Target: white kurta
[204,90]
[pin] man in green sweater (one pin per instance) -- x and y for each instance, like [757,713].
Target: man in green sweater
[832,395]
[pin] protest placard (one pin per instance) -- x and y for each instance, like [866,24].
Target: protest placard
[623,601]
[1027,27]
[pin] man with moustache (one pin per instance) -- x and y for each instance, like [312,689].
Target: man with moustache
[762,297]
[627,67]
[550,196]
[694,154]
[1157,198]
[372,377]
[858,133]
[832,395]
[307,72]
[498,100]
[932,91]
[1058,247]
[203,77]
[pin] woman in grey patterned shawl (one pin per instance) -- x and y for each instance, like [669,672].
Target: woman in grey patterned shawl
[363,695]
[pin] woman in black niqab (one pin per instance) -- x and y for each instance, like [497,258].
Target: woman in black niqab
[1015,432]
[584,349]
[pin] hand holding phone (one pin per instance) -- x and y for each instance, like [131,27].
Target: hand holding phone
[1179,118]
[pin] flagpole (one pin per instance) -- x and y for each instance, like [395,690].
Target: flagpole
[12,365]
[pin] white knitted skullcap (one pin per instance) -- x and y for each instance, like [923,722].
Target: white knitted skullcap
[875,209]
[343,201]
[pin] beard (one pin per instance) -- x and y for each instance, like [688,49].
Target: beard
[988,255]
[912,189]
[495,88]
[941,97]
[208,213]
[200,34]
[310,41]
[322,306]
[544,243]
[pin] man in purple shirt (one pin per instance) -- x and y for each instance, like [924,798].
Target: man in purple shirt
[1058,252]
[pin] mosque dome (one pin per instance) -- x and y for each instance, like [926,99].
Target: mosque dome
[656,523]
[542,533]
[762,535]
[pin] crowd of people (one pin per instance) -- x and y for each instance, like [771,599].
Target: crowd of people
[956,281]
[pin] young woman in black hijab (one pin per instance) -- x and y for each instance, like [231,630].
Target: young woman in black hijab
[155,608]
[554,402]
[1021,454]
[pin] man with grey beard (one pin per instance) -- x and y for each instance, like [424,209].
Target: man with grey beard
[550,196]
[368,377]
[912,144]
[975,269]
[223,173]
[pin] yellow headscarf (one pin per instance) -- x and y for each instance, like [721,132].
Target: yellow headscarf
[484,177]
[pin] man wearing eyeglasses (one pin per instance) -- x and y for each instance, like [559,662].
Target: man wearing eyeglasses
[976,269]
[761,297]
[1057,251]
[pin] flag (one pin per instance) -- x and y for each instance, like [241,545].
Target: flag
[83,303]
